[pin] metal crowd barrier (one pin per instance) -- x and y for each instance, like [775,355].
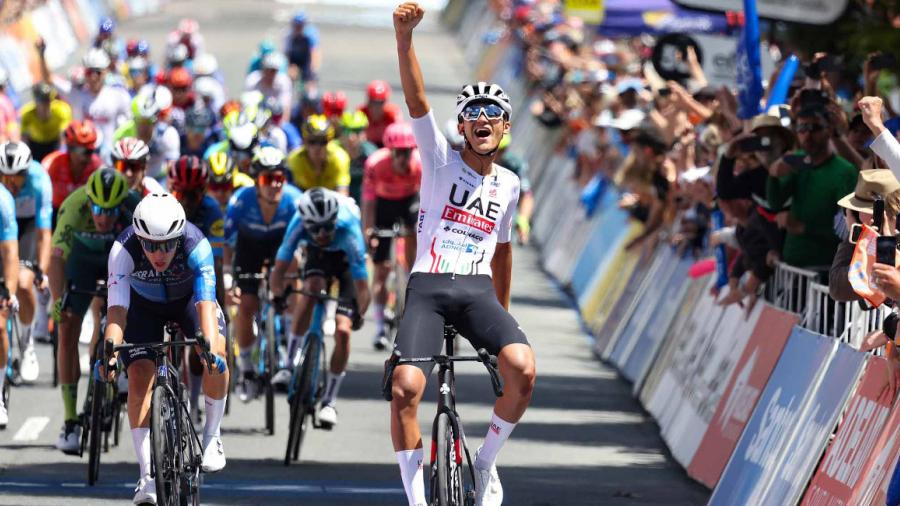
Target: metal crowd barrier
[796,290]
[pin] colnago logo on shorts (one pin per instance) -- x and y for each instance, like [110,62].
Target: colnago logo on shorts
[459,216]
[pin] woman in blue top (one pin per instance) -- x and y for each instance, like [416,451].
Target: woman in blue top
[161,270]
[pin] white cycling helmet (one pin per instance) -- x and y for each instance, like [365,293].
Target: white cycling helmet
[273,61]
[145,106]
[243,136]
[268,158]
[482,92]
[159,217]
[205,65]
[15,158]
[318,206]
[96,58]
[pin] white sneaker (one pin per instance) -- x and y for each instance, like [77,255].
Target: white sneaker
[145,491]
[281,378]
[249,388]
[328,415]
[4,417]
[30,368]
[69,441]
[488,490]
[381,341]
[213,455]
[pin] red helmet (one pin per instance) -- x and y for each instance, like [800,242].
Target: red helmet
[186,174]
[378,91]
[334,103]
[180,77]
[399,136]
[81,133]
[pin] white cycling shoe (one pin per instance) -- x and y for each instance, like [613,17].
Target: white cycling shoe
[30,368]
[69,441]
[4,417]
[328,415]
[145,491]
[213,455]
[281,378]
[488,490]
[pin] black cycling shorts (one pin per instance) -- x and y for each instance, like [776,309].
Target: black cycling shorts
[388,212]
[249,257]
[469,303]
[332,265]
[147,319]
[28,234]
[83,269]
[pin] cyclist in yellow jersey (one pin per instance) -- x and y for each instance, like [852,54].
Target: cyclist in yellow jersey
[320,162]
[44,120]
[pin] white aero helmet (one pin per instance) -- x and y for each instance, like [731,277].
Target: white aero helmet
[95,58]
[159,217]
[482,92]
[205,65]
[318,206]
[15,158]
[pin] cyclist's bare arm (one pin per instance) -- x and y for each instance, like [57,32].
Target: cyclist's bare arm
[9,250]
[363,296]
[116,317]
[406,17]
[276,278]
[207,310]
[43,249]
[501,269]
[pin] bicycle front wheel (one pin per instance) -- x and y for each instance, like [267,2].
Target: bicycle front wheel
[96,430]
[446,468]
[165,446]
[301,400]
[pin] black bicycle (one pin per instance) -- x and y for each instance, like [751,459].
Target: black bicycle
[15,350]
[177,454]
[450,485]
[395,284]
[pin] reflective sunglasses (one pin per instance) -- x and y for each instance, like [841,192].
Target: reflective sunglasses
[93,72]
[221,187]
[103,211]
[317,142]
[318,229]
[402,152]
[491,111]
[132,165]
[271,177]
[154,246]
[809,127]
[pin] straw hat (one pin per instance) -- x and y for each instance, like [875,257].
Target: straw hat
[870,184]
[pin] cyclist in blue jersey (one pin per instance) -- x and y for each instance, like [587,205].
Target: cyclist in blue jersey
[187,182]
[255,223]
[9,252]
[161,270]
[30,185]
[327,225]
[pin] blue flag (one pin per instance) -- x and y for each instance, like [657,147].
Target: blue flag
[749,68]
[779,90]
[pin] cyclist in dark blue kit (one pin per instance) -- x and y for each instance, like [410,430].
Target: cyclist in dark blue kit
[161,270]
[255,223]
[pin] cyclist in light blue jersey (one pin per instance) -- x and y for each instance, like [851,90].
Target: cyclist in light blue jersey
[255,223]
[30,185]
[9,252]
[327,225]
[161,270]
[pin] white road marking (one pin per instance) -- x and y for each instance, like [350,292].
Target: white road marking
[31,429]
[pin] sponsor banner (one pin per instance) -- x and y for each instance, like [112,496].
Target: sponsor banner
[747,381]
[696,289]
[607,286]
[706,383]
[606,239]
[877,475]
[589,11]
[568,242]
[841,472]
[816,12]
[656,283]
[772,425]
[647,343]
[815,427]
[605,327]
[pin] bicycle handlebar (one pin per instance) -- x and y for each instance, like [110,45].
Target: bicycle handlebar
[489,361]
[38,273]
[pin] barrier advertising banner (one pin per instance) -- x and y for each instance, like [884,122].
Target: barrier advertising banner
[605,326]
[765,440]
[606,287]
[855,444]
[747,382]
[877,474]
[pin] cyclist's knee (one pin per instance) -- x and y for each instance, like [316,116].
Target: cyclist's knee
[408,385]
[518,369]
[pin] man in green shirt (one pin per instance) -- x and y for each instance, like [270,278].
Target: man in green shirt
[810,182]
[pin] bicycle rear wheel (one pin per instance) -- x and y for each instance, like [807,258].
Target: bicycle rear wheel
[446,468]
[96,429]
[301,401]
[165,444]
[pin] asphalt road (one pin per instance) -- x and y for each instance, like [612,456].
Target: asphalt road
[584,441]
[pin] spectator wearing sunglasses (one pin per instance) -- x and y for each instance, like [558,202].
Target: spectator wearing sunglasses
[89,221]
[70,169]
[812,181]
[255,223]
[320,162]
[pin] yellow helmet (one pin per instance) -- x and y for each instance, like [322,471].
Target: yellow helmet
[221,168]
[317,125]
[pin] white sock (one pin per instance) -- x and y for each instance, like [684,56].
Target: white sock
[411,472]
[497,434]
[379,318]
[245,359]
[332,387]
[141,439]
[215,410]
[27,335]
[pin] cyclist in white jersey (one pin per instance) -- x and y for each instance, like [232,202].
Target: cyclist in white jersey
[106,105]
[463,265]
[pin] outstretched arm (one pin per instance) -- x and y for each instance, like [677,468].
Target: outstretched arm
[406,17]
